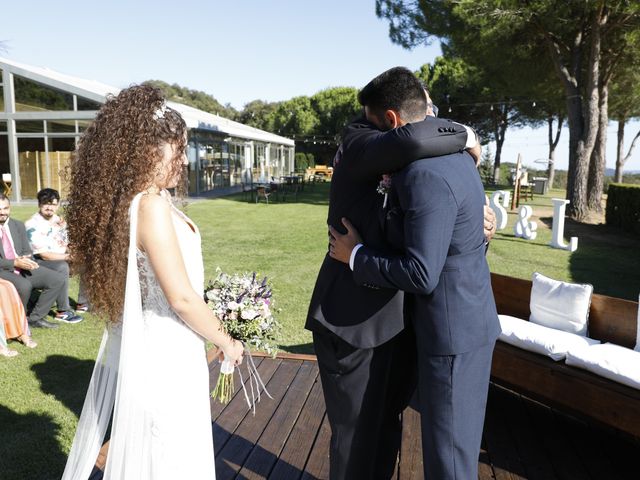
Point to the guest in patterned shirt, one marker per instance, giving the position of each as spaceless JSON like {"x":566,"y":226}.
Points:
{"x":47,"y":233}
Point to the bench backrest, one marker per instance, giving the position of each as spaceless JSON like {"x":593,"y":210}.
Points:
{"x":610,"y":319}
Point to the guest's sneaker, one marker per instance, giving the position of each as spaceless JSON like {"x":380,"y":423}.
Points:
{"x":68,"y":317}
{"x":82,"y":307}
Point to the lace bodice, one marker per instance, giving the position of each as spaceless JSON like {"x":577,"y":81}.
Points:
{"x":153,"y":298}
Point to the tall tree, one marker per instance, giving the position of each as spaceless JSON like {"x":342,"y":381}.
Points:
{"x":194,"y":98}
{"x":295,"y":117}
{"x":335,"y":107}
{"x":624,"y":105}
{"x":258,"y":114}
{"x":573,"y":33}
{"x":469,"y":94}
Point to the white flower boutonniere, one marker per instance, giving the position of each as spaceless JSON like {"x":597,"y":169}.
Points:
{"x":384,"y":187}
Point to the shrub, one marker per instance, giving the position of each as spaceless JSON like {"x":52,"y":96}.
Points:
{"x":623,"y":207}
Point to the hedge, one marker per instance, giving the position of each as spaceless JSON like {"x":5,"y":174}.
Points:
{"x":623,"y":207}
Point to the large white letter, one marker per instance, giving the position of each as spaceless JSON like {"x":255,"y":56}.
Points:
{"x":524,"y":228}
{"x":557,"y":231}
{"x":499,"y":208}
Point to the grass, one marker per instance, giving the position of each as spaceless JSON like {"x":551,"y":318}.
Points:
{"x":42,"y":390}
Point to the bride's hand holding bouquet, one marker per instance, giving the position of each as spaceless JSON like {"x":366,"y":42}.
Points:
{"x":243,"y":304}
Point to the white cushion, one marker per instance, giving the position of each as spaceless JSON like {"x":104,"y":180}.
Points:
{"x":560,"y":305}
{"x":543,"y":340}
{"x":608,"y":360}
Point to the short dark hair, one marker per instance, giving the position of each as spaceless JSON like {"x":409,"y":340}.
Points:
{"x":4,"y":197}
{"x":396,"y":89}
{"x":48,"y":195}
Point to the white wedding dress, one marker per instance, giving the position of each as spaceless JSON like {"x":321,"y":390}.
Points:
{"x":152,"y":369}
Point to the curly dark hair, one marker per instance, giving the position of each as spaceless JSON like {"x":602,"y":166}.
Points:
{"x":118,"y":156}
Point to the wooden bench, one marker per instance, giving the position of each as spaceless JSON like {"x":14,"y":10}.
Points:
{"x":556,"y":384}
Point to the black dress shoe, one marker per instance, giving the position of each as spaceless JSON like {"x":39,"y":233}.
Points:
{"x":42,"y":324}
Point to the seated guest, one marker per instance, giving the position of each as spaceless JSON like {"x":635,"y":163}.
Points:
{"x":18,"y":267}
{"x":47,"y":233}
{"x":13,"y":317}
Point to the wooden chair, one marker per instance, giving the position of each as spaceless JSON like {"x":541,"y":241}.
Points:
{"x":6,"y":184}
{"x":263,"y":192}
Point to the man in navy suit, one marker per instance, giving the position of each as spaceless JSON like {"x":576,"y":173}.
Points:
{"x":435,"y":223}
{"x":365,"y":357}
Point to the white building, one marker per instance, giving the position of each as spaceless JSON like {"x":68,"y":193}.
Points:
{"x":43,"y":113}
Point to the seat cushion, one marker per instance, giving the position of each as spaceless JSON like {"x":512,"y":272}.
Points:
{"x":608,"y":360}
{"x":540,"y":339}
{"x":560,"y":305}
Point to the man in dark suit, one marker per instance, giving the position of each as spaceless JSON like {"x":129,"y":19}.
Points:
{"x":365,"y":358}
{"x":438,"y":229}
{"x":18,"y":267}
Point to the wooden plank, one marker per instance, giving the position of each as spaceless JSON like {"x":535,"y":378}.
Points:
{"x":594,"y":459}
{"x":266,"y":451}
{"x":297,"y":449}
{"x":613,"y":320}
{"x":410,"y":465}
{"x":500,"y":445}
{"x":570,"y":388}
{"x":534,"y":459}
{"x":216,"y":406}
{"x":289,"y":356}
{"x":239,"y":445}
{"x":225,"y":426}
{"x":317,"y":467}
{"x":557,"y":447}
{"x":623,"y":453}
{"x":485,"y":472}
{"x":511,"y":295}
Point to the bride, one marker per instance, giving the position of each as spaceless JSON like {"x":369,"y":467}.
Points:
{"x":142,"y":263}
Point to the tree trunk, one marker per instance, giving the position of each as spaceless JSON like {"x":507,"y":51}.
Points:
{"x":620,"y":151}
{"x":500,"y":130}
{"x":583,"y":117}
{"x":599,"y":155}
{"x":553,"y":143}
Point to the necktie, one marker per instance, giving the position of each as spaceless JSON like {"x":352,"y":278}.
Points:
{"x":9,"y":252}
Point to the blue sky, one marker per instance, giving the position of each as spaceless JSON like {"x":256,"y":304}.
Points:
{"x":237,"y":51}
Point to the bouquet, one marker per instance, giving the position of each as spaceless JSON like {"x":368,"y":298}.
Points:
{"x":244,"y":305}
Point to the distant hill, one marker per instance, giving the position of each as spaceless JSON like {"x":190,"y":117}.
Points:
{"x":610,"y":172}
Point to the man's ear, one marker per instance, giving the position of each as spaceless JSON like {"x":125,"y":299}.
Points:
{"x":392,"y":119}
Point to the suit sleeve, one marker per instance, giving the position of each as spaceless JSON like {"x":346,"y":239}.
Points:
{"x":370,"y":152}
{"x":430,"y":215}
{"x":22,"y":246}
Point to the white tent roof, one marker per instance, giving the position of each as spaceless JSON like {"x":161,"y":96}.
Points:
{"x":98,"y":92}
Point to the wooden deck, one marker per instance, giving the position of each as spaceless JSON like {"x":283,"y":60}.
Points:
{"x":288,"y":437}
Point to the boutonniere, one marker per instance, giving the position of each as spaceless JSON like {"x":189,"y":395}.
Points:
{"x":384,"y":187}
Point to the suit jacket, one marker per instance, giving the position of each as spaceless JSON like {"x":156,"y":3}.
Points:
{"x":443,"y":263}
{"x":367,"y":316}
{"x":20,"y":243}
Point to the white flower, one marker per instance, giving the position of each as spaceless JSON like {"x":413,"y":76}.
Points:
{"x":212,"y":294}
{"x":159,"y":113}
{"x":233,"y":305}
{"x":248,"y":314}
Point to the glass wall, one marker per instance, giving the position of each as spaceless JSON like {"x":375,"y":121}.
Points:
{"x":4,"y":154}
{"x":33,"y":96}
{"x":45,"y":146}
{"x":43,"y":162}
{"x":259,"y":168}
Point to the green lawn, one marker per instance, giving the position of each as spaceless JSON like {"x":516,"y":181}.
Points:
{"x":42,"y":390}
